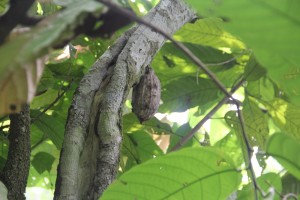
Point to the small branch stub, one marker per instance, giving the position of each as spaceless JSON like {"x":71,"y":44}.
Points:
{"x":146,"y":96}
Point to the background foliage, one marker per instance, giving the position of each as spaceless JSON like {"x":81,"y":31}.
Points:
{"x":257,"y":40}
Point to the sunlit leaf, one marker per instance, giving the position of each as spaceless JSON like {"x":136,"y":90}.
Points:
{"x":170,"y":63}
{"x":262,"y":88}
{"x":231,"y":145}
{"x":286,"y":116}
{"x":281,"y":147}
{"x":187,"y":174}
{"x":209,"y":32}
{"x":256,"y":122}
{"x":257,"y":23}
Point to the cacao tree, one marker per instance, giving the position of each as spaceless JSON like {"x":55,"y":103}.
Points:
{"x":81,"y":82}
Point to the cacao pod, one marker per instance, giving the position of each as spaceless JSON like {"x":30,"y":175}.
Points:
{"x":146,"y":96}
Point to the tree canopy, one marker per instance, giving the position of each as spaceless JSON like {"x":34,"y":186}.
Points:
{"x":228,"y":124}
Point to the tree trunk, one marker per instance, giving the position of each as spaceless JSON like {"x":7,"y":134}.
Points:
{"x":16,"y":168}
{"x":90,"y":154}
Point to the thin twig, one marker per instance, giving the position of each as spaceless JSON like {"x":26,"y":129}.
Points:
{"x":179,"y":45}
{"x":188,"y":136}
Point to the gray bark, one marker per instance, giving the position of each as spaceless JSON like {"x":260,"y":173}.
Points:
{"x":90,"y":155}
{"x":16,"y":169}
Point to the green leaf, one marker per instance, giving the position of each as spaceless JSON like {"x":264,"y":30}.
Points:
{"x":36,"y":135}
{"x":263,"y":89}
{"x":253,"y":70}
{"x":139,"y":147}
{"x":256,"y":122}
{"x":284,"y":149}
{"x":265,"y":182}
{"x":271,"y":29}
{"x":179,"y":133}
{"x":171,"y":63}
{"x":47,"y":81}
{"x":3,"y":6}
{"x":66,"y":70}
{"x":153,"y":126}
{"x":53,"y":127}
{"x":231,"y":145}
{"x":209,"y":32}
{"x":193,"y":173}
{"x":42,"y":161}
{"x":44,"y":99}
{"x":188,"y":92}
{"x":290,"y":184}
{"x":28,"y":46}
{"x":46,"y":179}
{"x":286,"y":116}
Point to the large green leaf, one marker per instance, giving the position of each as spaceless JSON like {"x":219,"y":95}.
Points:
{"x":285,"y":150}
{"x":286,"y":116}
{"x":193,"y":173}
{"x":271,"y":29}
{"x":188,"y":92}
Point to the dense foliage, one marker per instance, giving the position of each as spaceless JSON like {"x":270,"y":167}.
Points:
{"x":255,"y":43}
